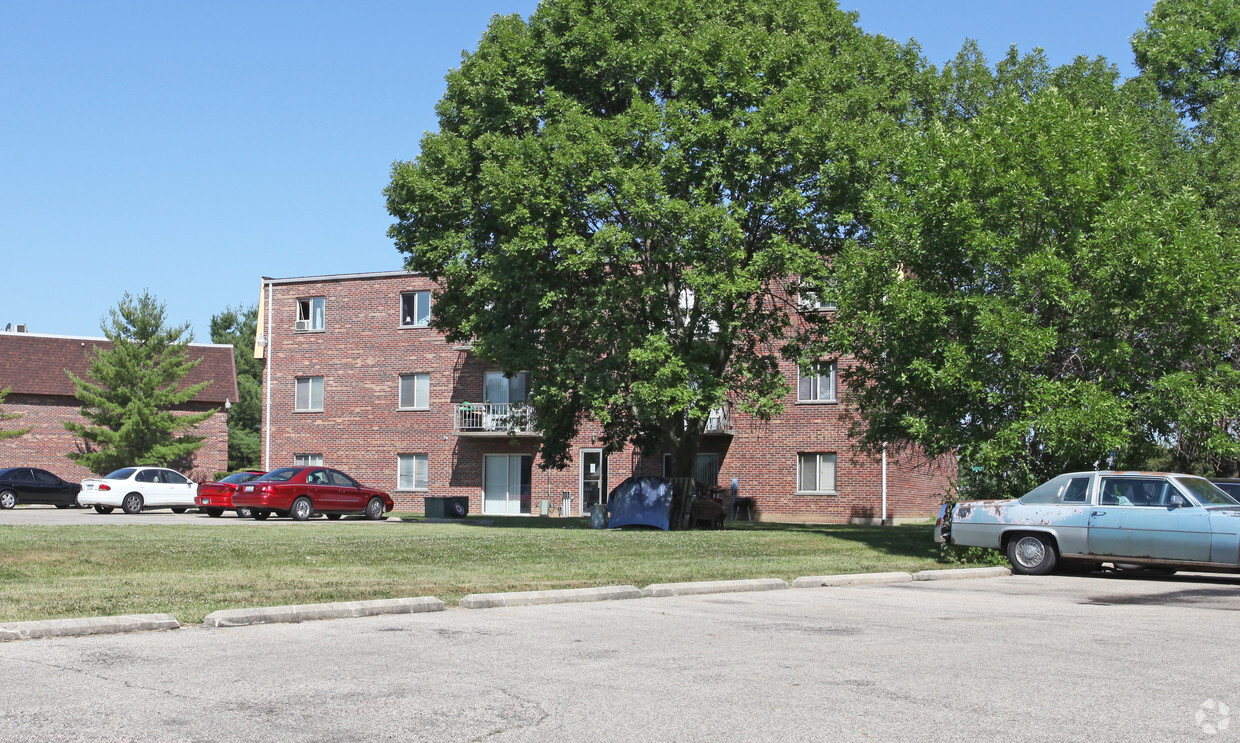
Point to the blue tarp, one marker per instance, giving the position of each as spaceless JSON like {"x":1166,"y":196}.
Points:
{"x":641,"y":501}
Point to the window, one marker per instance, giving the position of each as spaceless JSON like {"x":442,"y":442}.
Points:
{"x":816,"y":473}
{"x":705,"y":468}
{"x":412,"y":472}
{"x":415,"y":309}
{"x":819,"y":385}
{"x":415,"y":392}
{"x":501,"y":389}
{"x":310,"y":313}
{"x":309,"y":394}
{"x":1136,"y":491}
{"x":810,"y":300}
{"x":307,"y":460}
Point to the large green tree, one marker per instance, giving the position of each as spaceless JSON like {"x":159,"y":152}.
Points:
{"x":237,"y":327}
{"x":9,"y":433}
{"x":620,"y":191}
{"x":1043,"y":288}
{"x":1190,"y":52}
{"x":131,"y":393}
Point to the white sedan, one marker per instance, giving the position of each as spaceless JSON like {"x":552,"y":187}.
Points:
{"x":132,"y":489}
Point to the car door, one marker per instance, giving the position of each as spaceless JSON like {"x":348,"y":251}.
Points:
{"x":150,"y":485}
{"x":1137,"y":517}
{"x":321,"y":490}
{"x":54,"y":490}
{"x":349,"y":492}
{"x":179,"y":489}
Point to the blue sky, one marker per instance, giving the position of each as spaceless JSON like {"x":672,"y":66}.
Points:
{"x":191,"y":148}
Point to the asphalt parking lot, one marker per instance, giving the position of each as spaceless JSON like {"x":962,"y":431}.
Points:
{"x":52,"y":516}
{"x":1055,"y":658}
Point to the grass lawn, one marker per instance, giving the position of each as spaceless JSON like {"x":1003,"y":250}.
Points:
{"x":50,"y":572}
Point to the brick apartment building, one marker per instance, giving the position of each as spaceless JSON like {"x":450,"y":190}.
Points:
{"x":356,"y":379}
{"x":33,"y":366}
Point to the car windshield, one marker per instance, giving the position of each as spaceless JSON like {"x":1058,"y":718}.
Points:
{"x":121,"y":474}
{"x":284,"y":474}
{"x":238,"y":477}
{"x":1206,"y":492}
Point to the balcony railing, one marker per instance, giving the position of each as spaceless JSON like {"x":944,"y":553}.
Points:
{"x":494,"y":417}
{"x":720,"y":421}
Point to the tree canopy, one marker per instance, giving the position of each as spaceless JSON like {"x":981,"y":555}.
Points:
{"x":237,"y":327}
{"x":1043,"y":288}
{"x":1191,"y":50}
{"x":624,"y":198}
{"x":133,"y":390}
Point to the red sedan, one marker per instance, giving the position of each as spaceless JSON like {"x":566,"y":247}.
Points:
{"x":214,"y":498}
{"x":301,"y":492}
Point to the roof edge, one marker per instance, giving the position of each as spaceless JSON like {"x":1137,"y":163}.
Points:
{"x":97,"y":338}
{"x":339,"y":277}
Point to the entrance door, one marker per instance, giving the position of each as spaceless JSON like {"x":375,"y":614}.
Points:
{"x":593,"y":479}
{"x":506,"y":483}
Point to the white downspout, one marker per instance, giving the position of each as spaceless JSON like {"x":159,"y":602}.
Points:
{"x":267,"y":371}
{"x":884,"y":521}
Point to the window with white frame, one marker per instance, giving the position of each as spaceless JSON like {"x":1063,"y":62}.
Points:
{"x":310,"y":313}
{"x":498,"y":388}
{"x":415,"y":309}
{"x":412,"y":472}
{"x":818,"y":385}
{"x":309,"y":395}
{"x":816,"y":473}
{"x":415,"y":392}
{"x":811,"y":300}
{"x":307,"y":460}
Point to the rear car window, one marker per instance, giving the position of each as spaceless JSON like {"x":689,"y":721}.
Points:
{"x":121,"y":474}
{"x":239,"y":477}
{"x":283,"y":474}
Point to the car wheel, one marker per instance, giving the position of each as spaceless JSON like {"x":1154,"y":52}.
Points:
{"x":103,"y":509}
{"x":132,"y":503}
{"x":8,"y":499}
{"x":333,"y":516}
{"x":261,"y":515}
{"x":302,"y":509}
{"x":374,"y":509}
{"x":179,"y":509}
{"x":244,"y":513}
{"x":458,"y":509}
{"x":1031,"y":554}
{"x":214,"y":513}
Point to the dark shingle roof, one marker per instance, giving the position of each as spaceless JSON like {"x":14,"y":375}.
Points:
{"x":35,"y":365}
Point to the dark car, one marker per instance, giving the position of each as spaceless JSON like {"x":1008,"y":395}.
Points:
{"x":301,"y":492}
{"x":1229,"y":485}
{"x":214,"y":498}
{"x":33,"y":485}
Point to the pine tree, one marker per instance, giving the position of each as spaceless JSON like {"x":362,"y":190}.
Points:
{"x":134,"y":389}
{"x":237,"y":326}
{"x":9,"y":433}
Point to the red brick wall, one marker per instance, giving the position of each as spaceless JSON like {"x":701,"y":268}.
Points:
{"x":362,"y":350}
{"x":47,"y":443}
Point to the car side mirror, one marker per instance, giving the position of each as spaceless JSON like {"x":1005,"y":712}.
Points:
{"x":1177,"y":501}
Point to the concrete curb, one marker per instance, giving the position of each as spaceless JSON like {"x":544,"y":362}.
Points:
{"x":851,"y":579}
{"x":86,"y":626}
{"x":961,"y":573}
{"x":713,"y":586}
{"x":563,"y":596}
{"x":311,"y":612}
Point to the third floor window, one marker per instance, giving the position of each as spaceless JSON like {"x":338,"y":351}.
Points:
{"x":310,"y":313}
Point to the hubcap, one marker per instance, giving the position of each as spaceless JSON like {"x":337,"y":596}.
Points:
{"x":303,"y":509}
{"x":8,"y":500}
{"x":1030,"y":552}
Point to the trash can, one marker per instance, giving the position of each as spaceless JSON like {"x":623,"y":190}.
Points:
{"x":455,"y":507}
{"x":598,"y":516}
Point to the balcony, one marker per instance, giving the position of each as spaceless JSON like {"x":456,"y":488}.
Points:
{"x":720,"y":422}
{"x":493,"y":419}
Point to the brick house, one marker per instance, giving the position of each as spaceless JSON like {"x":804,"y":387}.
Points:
{"x":356,"y":379}
{"x":33,"y":366}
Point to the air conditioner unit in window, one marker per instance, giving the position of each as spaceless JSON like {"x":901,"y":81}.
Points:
{"x":303,"y":325}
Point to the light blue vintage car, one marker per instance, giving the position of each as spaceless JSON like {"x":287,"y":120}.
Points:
{"x":1083,"y":519}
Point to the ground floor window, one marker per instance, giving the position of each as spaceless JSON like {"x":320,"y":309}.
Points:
{"x":507,"y":483}
{"x":705,"y":468}
{"x":816,"y":473}
{"x":307,"y":460}
{"x":412,"y":472}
